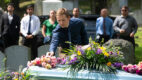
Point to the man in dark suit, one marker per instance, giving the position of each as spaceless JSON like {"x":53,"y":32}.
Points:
{"x":10,"y":26}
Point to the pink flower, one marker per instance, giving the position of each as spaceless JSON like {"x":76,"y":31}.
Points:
{"x":53,"y":65}
{"x":125,"y":68}
{"x":53,"y":60}
{"x":139,"y":72}
{"x":59,"y":60}
{"x":38,"y":62}
{"x":43,"y":64}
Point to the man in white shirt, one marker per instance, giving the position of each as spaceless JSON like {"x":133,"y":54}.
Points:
{"x":30,"y":27}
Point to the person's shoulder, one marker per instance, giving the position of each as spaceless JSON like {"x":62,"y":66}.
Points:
{"x":35,"y":17}
{"x":75,"y":20}
{"x":118,"y":17}
{"x":57,"y":29}
{"x":109,"y":19}
{"x":131,"y":17}
{"x":25,"y":18}
{"x":99,"y":18}
{"x":15,"y":15}
{"x":47,"y":20}
{"x":4,"y":14}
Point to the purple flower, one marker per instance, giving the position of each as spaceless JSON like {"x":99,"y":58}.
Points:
{"x":111,"y":53}
{"x":118,"y":64}
{"x":93,"y":49}
{"x":99,"y":51}
{"x":82,"y":51}
{"x":63,"y":61}
{"x":73,"y":60}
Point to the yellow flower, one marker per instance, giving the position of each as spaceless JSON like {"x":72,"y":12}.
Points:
{"x":102,"y":48}
{"x":106,"y":54}
{"x":109,"y":64}
{"x":140,"y":63}
{"x":89,"y":48}
{"x":94,"y":42}
{"x":117,"y":52}
{"x":16,"y":79}
{"x":79,"y":53}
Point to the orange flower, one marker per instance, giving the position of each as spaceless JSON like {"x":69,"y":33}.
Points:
{"x":109,"y":64}
{"x":22,"y":73}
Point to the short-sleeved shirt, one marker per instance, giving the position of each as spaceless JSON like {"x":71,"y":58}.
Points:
{"x":49,"y":27}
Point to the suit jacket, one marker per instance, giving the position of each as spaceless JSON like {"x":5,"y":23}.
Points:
{"x":75,"y":33}
{"x":7,"y":29}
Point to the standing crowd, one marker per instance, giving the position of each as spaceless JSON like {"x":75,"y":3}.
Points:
{"x":61,"y":28}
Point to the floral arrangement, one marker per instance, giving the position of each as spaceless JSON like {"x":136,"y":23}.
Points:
{"x":45,"y":61}
{"x":133,"y":68}
{"x":20,"y":76}
{"x":93,"y":57}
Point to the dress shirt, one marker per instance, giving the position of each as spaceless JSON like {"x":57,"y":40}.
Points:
{"x":108,"y":26}
{"x":127,"y":23}
{"x":75,"y":33}
{"x":10,"y":18}
{"x":35,"y":25}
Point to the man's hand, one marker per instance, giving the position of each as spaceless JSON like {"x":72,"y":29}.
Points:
{"x":132,"y":35}
{"x":122,"y":31}
{"x":29,"y":36}
{"x":49,"y":53}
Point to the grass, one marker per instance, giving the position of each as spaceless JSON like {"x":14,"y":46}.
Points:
{"x":138,"y":40}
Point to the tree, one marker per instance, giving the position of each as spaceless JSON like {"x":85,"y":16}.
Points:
{"x":97,"y":5}
{"x":16,"y":3}
{"x":3,"y":3}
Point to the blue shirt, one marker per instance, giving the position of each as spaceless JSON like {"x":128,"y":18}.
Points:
{"x":75,"y":33}
{"x":108,"y":26}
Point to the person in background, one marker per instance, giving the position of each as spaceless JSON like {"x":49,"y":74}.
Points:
{"x":1,"y":12}
{"x":48,"y":26}
{"x":10,"y":26}
{"x":125,"y":26}
{"x":104,"y":27}
{"x":30,"y":27}
{"x":76,"y":14}
{"x":68,"y":30}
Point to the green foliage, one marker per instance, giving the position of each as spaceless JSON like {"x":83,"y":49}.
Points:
{"x":22,"y":75}
{"x":3,"y":72}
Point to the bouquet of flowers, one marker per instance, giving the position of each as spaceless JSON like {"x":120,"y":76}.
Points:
{"x":45,"y":61}
{"x":133,"y":68}
{"x":93,"y":57}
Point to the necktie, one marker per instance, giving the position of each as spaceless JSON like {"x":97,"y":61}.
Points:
{"x":69,"y":34}
{"x":29,"y":26}
{"x":104,"y":27}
